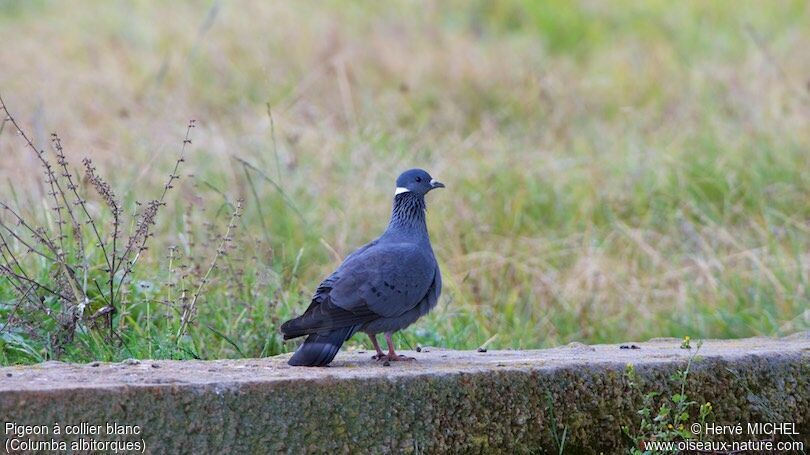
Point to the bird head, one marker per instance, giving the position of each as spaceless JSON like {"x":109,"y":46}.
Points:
{"x":416,"y":181}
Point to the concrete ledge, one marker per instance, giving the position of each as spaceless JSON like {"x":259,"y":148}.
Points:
{"x":498,"y":401}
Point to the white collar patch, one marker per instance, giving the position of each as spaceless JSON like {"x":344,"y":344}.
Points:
{"x":400,"y":190}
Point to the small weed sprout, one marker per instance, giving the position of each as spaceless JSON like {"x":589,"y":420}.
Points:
{"x":559,"y":439}
{"x":667,"y":421}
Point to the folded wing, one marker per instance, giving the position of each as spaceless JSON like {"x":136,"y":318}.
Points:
{"x":377,"y":281}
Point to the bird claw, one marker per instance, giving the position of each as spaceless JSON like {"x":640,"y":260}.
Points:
{"x":392,"y":358}
{"x":403,"y":358}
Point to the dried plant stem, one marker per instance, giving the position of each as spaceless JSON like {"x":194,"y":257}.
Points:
{"x":64,"y":250}
{"x":188,"y":310}
{"x":51,"y":177}
{"x":56,"y":191}
{"x":23,"y":277}
{"x":148,"y":217}
{"x":60,"y":260}
{"x":78,"y":235}
{"x":62,"y":162}
{"x":21,"y":240}
{"x":10,"y":259}
{"x":169,"y":184}
{"x":105,"y":191}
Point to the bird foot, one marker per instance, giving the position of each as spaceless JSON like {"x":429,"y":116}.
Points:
{"x":393,"y":358}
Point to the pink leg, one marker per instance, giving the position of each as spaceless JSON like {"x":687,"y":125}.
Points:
{"x":379,"y":354}
{"x":393,"y":356}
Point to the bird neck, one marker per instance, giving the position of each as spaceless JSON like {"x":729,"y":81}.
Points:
{"x":408,"y":214}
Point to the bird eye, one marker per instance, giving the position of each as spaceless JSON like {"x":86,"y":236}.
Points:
{"x":418,"y":179}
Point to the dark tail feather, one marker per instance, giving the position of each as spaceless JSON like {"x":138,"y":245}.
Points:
{"x":318,"y":350}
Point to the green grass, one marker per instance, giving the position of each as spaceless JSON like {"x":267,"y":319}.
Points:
{"x":616,"y":170}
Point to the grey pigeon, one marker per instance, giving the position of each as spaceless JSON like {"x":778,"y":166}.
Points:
{"x":383,"y":287}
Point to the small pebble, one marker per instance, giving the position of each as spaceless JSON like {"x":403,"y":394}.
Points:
{"x":8,"y":375}
{"x":386,"y":364}
{"x":419,"y":349}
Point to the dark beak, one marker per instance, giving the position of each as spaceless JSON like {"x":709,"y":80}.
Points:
{"x":436,"y":184}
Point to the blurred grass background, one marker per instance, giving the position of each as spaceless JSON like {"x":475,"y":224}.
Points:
{"x":616,"y":170}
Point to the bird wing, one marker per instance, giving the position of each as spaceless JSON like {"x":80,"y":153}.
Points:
{"x":388,"y":280}
{"x":327,"y":284}
{"x":435,"y":289}
{"x":374,"y":281}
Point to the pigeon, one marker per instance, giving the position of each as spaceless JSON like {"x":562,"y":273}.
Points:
{"x":383,"y":287}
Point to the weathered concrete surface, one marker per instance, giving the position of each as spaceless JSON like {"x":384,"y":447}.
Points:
{"x":445,"y":401}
